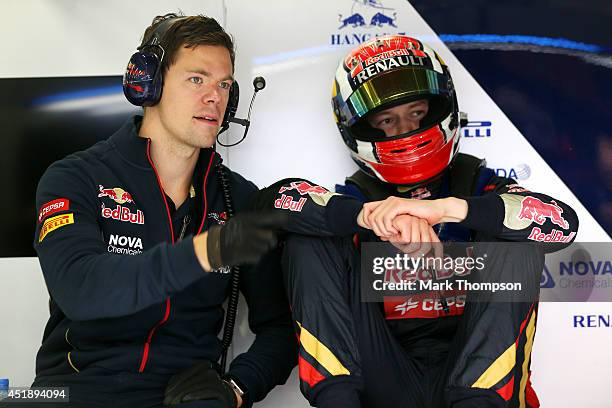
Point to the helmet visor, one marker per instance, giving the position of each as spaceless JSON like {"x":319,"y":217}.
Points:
{"x":393,"y":87}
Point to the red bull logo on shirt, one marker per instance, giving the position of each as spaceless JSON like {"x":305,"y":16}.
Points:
{"x":119,"y":195}
{"x":538,"y":211}
{"x":121,"y":213}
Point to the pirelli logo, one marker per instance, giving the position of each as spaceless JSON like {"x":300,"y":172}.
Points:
{"x":54,"y":223}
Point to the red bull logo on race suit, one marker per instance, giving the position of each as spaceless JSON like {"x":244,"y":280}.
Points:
{"x":538,"y":211}
{"x":304,"y":188}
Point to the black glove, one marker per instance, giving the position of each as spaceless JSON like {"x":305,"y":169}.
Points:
{"x":244,"y":239}
{"x":200,"y":382}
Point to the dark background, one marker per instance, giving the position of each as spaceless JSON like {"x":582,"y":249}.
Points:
{"x":43,"y":120}
{"x":560,"y":99}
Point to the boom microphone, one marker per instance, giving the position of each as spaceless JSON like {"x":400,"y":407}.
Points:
{"x":259,"y":83}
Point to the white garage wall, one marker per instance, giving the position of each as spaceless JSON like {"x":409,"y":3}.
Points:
{"x":80,"y":38}
{"x":290,"y":43}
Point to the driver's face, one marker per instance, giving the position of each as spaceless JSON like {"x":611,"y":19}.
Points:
{"x":400,"y":119}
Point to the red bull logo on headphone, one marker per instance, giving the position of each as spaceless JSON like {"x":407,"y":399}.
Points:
{"x":133,"y":70}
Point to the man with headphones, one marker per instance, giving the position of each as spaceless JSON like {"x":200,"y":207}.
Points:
{"x":136,"y":240}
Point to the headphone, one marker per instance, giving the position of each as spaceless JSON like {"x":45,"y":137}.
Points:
{"x":143,"y":79}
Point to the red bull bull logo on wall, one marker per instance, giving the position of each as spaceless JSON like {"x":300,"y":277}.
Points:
{"x":119,"y":195}
{"x":363,"y":21}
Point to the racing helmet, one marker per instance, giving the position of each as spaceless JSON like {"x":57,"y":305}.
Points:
{"x":388,"y":71}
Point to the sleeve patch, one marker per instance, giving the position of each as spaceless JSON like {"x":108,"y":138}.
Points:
{"x":522,"y":211}
{"x":323,"y":199}
{"x":319,"y":195}
{"x":513,"y":210}
{"x":52,"y":207}
{"x":54,"y":223}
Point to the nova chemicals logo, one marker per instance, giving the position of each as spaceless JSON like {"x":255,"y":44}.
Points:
{"x":126,"y":245}
{"x":363,"y":20}
{"x":583,"y":268}
{"x":477,"y":129}
{"x":546,"y":280}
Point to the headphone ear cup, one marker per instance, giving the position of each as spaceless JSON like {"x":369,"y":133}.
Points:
{"x":142,"y":84}
{"x":232,"y":104}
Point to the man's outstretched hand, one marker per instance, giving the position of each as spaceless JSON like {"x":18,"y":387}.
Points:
{"x":244,"y":239}
{"x":200,"y":382}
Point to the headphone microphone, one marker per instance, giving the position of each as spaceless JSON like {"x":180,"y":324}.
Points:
{"x":259,"y":83}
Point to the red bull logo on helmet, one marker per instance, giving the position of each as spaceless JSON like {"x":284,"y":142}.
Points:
{"x":382,"y":54}
{"x":119,"y":195}
{"x":379,"y":49}
{"x":538,"y":211}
